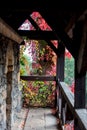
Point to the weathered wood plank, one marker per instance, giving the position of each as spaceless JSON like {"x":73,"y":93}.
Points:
{"x":81,"y":114}
{"x":69,"y":96}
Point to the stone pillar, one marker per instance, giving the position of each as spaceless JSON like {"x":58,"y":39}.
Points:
{"x":16,"y":91}
{"x":9,"y":68}
{"x":9,"y":100}
{"x":2,"y":103}
{"x":3,"y":83}
{"x":10,"y":93}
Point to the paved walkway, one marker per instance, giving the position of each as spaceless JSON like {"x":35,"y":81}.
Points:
{"x":36,"y":119}
{"x":41,"y":119}
{"x":21,"y":119}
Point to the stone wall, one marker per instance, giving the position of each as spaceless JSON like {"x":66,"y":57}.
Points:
{"x":10,"y":94}
{"x":16,"y":92}
{"x":3,"y":82}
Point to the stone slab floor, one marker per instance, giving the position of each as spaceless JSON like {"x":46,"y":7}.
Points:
{"x":21,"y":119}
{"x":41,"y":119}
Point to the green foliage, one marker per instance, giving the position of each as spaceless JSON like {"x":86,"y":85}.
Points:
{"x":39,"y":93}
{"x":25,"y":64}
{"x":69,"y":70}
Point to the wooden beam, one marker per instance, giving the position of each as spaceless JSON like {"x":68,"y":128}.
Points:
{"x":80,"y":37}
{"x":38,"y":78}
{"x":38,"y":28}
{"x":80,"y":88}
{"x":52,"y":46}
{"x":38,"y":34}
{"x":74,"y":18}
{"x":79,"y":115}
{"x":8,"y":32}
{"x":82,"y":54}
{"x":61,"y":34}
{"x":81,"y":121}
{"x":61,"y":56}
{"x":71,"y":23}
{"x":66,"y":40}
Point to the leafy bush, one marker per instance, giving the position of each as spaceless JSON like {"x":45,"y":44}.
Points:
{"x":38,"y":93}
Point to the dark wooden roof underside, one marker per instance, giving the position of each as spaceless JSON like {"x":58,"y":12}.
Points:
{"x":60,"y":16}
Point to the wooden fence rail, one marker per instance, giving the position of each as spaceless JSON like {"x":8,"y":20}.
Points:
{"x":38,"y":78}
{"x":66,"y":109}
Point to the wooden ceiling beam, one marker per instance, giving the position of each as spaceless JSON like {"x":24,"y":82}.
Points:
{"x":38,"y":28}
{"x":61,"y":34}
{"x":38,"y":34}
{"x":8,"y":32}
{"x":82,"y":53}
{"x":67,"y":41}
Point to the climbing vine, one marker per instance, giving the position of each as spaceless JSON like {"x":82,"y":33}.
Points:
{"x":43,"y":62}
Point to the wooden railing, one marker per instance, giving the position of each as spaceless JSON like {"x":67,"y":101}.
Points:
{"x":65,"y":104}
{"x":66,"y":110}
{"x":38,"y":78}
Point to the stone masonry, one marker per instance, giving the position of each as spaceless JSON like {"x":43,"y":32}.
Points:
{"x":10,"y":93}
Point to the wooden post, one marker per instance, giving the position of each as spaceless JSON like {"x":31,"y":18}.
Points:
{"x":60,"y":62}
{"x":80,"y":38}
{"x":59,"y":74}
{"x":79,"y":88}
